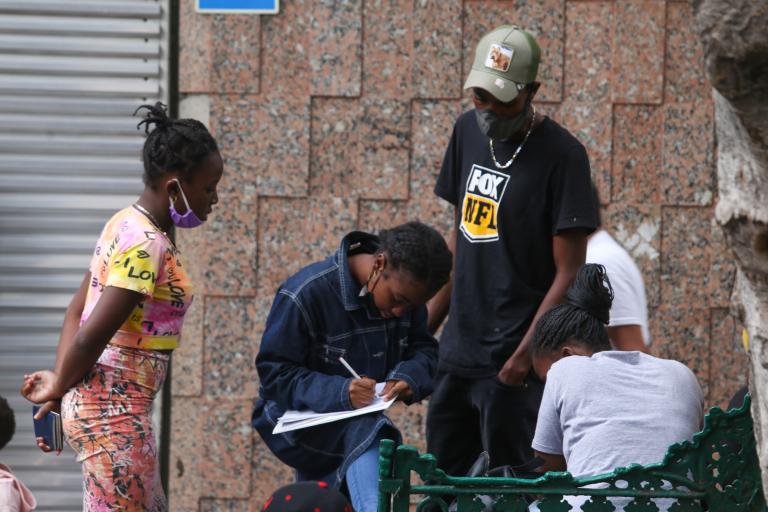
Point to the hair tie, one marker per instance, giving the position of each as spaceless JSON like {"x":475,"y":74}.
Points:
{"x":156,"y":114}
{"x":603,"y":316}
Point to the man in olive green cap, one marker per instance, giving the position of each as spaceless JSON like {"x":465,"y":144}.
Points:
{"x":521,"y":187}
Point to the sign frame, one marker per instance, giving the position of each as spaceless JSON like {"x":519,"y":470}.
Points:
{"x":208,"y":10}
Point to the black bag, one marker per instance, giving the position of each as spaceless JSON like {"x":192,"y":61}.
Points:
{"x":480,"y":468}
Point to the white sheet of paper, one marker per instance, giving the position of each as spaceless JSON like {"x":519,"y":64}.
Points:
{"x":294,"y":420}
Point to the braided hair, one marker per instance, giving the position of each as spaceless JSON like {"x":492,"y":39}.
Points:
{"x":419,"y":250}
{"x":582,"y":318}
{"x":179,"y":145}
{"x":7,"y":422}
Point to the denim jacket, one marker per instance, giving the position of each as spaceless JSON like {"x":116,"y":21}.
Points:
{"x":316,"y":317}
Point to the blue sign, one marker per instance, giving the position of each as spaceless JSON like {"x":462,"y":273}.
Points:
{"x":239,"y":6}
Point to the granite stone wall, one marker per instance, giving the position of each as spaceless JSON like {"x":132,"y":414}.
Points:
{"x":334,"y":115}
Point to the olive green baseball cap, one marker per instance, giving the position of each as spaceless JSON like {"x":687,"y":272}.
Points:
{"x":506,"y":60}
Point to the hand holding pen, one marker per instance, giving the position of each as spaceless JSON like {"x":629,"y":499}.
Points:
{"x":362,"y":390}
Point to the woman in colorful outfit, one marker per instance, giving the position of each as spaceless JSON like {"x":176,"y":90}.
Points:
{"x":364,"y":303}
{"x":125,"y":319}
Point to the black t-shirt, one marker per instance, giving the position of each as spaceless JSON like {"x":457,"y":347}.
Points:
{"x":506,"y":221}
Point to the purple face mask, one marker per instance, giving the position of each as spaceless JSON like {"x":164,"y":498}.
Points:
{"x":189,"y":219}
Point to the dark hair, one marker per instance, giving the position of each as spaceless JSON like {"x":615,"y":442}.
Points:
{"x":582,"y":318}
{"x":173,"y":144}
{"x":419,"y":250}
{"x":7,"y":422}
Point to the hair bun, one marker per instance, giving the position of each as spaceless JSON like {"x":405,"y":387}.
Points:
{"x":592,"y":292}
{"x":156,"y":114}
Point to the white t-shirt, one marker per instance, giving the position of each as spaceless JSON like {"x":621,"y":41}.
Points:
{"x":629,"y":303}
{"x":616,"y":408}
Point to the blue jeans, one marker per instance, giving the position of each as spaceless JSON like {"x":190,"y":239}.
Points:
{"x":363,"y":480}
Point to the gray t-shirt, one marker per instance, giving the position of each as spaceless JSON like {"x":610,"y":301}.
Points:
{"x":616,"y":408}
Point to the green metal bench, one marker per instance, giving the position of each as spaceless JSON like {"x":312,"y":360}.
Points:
{"x":718,"y":471}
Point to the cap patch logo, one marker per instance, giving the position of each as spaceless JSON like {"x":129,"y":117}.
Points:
{"x":499,"y":58}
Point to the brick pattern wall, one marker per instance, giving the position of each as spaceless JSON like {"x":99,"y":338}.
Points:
{"x":334,"y":116}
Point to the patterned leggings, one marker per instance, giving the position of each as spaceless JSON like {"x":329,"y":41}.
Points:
{"x":107,"y":420}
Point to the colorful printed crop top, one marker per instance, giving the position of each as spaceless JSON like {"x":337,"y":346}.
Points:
{"x":133,"y":254}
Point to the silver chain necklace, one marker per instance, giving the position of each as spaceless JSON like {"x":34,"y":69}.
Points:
{"x":148,"y":215}
{"x":530,"y":129}
{"x":154,"y":222}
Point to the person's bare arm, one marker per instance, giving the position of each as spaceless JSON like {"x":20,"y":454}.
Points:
{"x":552,"y":462}
{"x":627,"y":337}
{"x":569,"y":249}
{"x":80,"y":348}
{"x":437,"y":307}
{"x":112,"y":309}
{"x":72,"y":317}
{"x":68,"y":330}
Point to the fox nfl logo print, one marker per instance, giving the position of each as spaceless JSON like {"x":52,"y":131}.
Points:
{"x":479,"y":211}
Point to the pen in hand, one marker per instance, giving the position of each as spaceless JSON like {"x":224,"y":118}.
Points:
{"x":351,"y":370}
{"x":361,"y":389}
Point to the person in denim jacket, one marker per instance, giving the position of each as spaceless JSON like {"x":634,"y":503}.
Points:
{"x":365,"y":303}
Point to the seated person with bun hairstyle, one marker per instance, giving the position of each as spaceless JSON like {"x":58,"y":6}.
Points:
{"x":603,"y":408}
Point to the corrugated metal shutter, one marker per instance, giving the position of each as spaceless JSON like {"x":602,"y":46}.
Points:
{"x":71,"y":74}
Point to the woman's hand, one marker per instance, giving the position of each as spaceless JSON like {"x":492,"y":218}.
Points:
{"x":51,"y":405}
{"x":396,"y":388}
{"x":44,"y":447}
{"x":362,"y":392}
{"x":40,"y":387}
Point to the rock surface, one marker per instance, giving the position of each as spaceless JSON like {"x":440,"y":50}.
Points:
{"x":736,"y":52}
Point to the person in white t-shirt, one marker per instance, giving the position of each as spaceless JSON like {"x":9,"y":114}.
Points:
{"x":604,"y":408}
{"x":628,"y":327}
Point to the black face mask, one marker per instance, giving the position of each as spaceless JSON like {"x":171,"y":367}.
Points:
{"x":501,"y":128}
{"x":366,"y":295}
